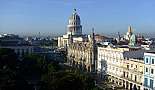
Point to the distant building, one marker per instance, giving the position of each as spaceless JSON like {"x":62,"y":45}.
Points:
{"x":19,"y":45}
{"x":101,"y":38}
{"x":12,"y":40}
{"x":148,"y":44}
{"x":126,"y":39}
{"x":21,"y":50}
{"x":133,"y":40}
{"x":129,"y":33}
{"x":149,"y":71}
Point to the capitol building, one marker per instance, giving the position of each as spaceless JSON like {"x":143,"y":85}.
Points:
{"x":74,"y":29}
{"x":81,"y":49}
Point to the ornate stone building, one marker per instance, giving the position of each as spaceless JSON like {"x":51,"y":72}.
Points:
{"x":83,"y":54}
{"x":81,"y":49}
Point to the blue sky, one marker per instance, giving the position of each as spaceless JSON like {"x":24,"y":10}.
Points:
{"x":51,"y":16}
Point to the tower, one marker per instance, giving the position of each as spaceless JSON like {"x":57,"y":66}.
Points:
{"x":130,"y":29}
{"x":70,"y":38}
{"x":93,"y":51}
{"x":93,"y":36}
{"x":74,"y":26}
{"x":129,"y":33}
{"x":132,"y":40}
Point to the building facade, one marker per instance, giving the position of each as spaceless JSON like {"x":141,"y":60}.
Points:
{"x":21,"y":50}
{"x":149,"y":71}
{"x":118,"y":65}
{"x":82,"y":55}
{"x":133,"y":74}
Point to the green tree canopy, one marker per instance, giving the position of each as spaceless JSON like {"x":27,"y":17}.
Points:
{"x":63,"y":80}
{"x":7,"y":58}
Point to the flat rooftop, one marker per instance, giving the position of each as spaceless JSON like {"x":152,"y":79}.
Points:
{"x":150,"y":52}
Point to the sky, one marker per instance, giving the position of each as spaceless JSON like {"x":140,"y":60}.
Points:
{"x":51,"y":16}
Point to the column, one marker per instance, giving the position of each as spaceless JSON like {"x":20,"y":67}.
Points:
{"x":124,"y":85}
{"x":139,"y":88}
{"x":131,"y":86}
{"x":121,"y":83}
{"x":128,"y":86}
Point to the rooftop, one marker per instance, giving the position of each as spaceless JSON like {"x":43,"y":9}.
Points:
{"x":153,"y":52}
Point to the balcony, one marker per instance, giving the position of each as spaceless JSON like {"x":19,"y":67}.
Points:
{"x":132,"y":70}
{"x":130,"y":80}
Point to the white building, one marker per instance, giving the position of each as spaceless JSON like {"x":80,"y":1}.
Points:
{"x":115,"y":63}
{"x":74,"y":29}
{"x":129,"y":33}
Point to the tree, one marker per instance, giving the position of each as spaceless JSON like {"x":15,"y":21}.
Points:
{"x":9,"y":78}
{"x":33,"y":65}
{"x":68,"y":80}
{"x":7,"y":58}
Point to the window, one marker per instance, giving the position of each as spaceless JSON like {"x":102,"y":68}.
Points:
{"x":136,"y":66}
{"x":146,"y":70}
{"x":152,"y":71}
{"x":146,"y":60}
{"x":116,"y":69}
{"x":152,"y":61}
{"x":127,"y":66}
{"x":135,"y":78}
{"x":124,"y":74}
{"x":151,"y":83}
{"x":131,"y":65}
{"x":145,"y":82}
{"x":113,"y":61}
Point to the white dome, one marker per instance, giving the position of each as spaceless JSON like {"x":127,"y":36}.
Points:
{"x":74,"y":25}
{"x":74,"y":19}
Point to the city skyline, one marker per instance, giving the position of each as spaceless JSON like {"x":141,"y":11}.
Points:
{"x":51,"y":16}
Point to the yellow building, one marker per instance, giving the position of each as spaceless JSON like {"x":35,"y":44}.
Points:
{"x":133,"y":74}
